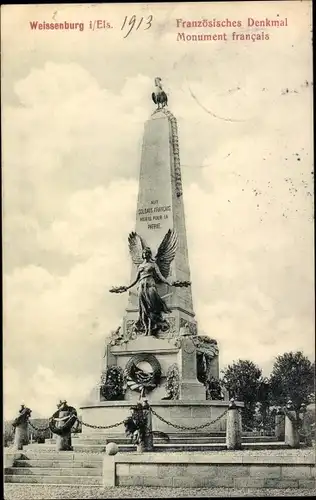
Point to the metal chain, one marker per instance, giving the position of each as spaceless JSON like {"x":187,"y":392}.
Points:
{"x":101,"y":426}
{"x":182,"y":427}
{"x":40,"y":429}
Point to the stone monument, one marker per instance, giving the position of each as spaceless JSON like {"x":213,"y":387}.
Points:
{"x":159,"y":329}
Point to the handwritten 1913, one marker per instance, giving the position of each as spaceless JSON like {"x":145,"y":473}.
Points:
{"x":146,"y":23}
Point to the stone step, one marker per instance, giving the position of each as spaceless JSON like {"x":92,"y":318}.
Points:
{"x":89,"y":464}
{"x":181,"y":447}
{"x":124,"y":442}
{"x":203,"y":440}
{"x":107,"y":433}
{"x":217,"y":447}
{"x":52,"y":454}
{"x":40,"y":479}
{"x":84,"y":448}
{"x":95,"y":448}
{"x":61,"y":471}
{"x":121,"y":435}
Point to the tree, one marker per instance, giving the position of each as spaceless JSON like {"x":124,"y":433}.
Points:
{"x":264,"y":401}
{"x":292,"y":378}
{"x":242,"y":380}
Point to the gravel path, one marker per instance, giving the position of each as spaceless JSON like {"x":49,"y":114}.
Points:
{"x":39,"y":492}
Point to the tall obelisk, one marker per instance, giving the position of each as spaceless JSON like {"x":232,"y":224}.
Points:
{"x":160,"y":208}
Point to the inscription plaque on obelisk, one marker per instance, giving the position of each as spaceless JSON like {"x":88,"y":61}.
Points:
{"x":159,"y":209}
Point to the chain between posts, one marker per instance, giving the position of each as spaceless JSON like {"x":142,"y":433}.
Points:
{"x":39,"y":429}
{"x":117,"y":424}
{"x":101,"y":426}
{"x":43,"y":429}
{"x":183,"y":427}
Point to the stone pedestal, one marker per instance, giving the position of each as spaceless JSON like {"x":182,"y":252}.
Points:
{"x":307,"y":430}
{"x":63,"y":443}
{"x":279,"y":425}
{"x":21,"y":435}
{"x":190,"y":387}
{"x":233,"y":428}
{"x":167,"y":352}
{"x":149,"y":444}
{"x":292,"y":437}
{"x":146,"y":442}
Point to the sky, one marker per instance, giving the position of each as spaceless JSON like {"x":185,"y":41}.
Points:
{"x":74,"y":106}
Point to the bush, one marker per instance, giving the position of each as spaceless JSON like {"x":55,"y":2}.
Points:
{"x":113,"y":384}
{"x":173,"y":382}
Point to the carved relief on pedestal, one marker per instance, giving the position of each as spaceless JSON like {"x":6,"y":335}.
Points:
{"x":168,"y":327}
{"x":190,"y":327}
{"x":119,"y":336}
{"x":139,"y":380}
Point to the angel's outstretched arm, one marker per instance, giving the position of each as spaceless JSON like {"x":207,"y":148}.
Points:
{"x":134,"y":282}
{"x":161,"y":277}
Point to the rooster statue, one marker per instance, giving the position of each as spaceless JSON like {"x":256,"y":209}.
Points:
{"x":159,"y":96}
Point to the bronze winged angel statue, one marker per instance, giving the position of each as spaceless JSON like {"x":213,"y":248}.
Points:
{"x":150,"y":272}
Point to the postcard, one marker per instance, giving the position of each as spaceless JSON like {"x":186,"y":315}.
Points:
{"x":158,"y":257}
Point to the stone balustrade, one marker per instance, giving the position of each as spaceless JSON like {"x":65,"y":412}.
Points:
{"x":220,"y":469}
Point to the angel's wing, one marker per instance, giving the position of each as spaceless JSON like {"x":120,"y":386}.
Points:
{"x":166,"y":252}
{"x":136,"y":245}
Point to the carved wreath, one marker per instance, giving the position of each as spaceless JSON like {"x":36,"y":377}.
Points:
{"x":66,"y":422}
{"x":137,"y":379}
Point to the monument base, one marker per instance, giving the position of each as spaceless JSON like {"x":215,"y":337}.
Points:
{"x":169,"y":364}
{"x":183,"y":413}
{"x":182,"y":351}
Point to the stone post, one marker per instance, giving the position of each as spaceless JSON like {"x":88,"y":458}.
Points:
{"x":20,"y":425}
{"x":148,"y":435}
{"x":21,"y":435}
{"x":190,"y":388}
{"x":279,"y":425}
{"x":63,"y":443}
{"x":292,"y":437}
{"x":306,"y":426}
{"x":233,"y":427}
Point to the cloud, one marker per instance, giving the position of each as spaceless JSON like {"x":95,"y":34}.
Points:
{"x":48,"y":387}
